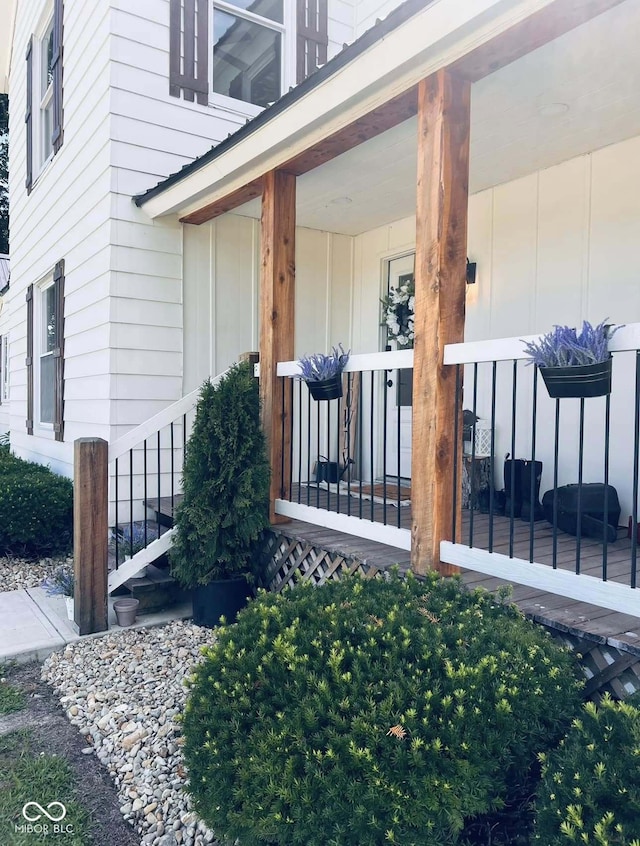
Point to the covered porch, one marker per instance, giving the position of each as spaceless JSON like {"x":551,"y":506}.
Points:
{"x":292,"y":247}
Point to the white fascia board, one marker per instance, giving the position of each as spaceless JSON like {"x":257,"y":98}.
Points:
{"x":7,"y":24}
{"x":433,"y":38}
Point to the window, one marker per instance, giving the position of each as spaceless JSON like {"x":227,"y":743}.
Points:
{"x":45,"y":95}
{"x":243,"y":55}
{"x":45,"y":353}
{"x":248,"y":56}
{"x":4,"y":368}
{"x":43,"y":116}
{"x":46,"y":346}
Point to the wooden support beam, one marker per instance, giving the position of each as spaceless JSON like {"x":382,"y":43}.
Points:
{"x":90,"y":534}
{"x":538,"y":29}
{"x":277,"y":302}
{"x":441,"y":248}
{"x":225,"y":204}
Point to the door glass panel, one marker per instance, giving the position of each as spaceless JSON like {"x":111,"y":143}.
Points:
{"x":246,"y":60}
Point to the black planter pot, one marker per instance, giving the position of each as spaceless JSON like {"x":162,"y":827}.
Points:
{"x":327,"y":389}
{"x":586,"y":380}
{"x":221,"y":598}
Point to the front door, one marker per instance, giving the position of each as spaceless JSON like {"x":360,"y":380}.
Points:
{"x":399,"y":388}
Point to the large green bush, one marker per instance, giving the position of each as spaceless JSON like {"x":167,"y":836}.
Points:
{"x":221,"y":520}
{"x":36,"y":509}
{"x":590,"y":789}
{"x":369,"y":712}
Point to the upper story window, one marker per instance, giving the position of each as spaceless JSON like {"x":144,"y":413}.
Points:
{"x":244,"y":54}
{"x":249,"y":60}
{"x":43,"y":117}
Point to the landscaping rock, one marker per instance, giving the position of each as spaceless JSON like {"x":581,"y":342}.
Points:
{"x":19,"y":573}
{"x":125,"y":692}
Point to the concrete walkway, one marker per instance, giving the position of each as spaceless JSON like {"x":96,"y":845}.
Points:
{"x":32,"y":624}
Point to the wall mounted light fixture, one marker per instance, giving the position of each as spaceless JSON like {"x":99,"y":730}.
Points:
{"x":471,"y":272}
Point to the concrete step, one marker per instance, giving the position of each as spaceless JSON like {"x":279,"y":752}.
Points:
{"x":156,"y":591}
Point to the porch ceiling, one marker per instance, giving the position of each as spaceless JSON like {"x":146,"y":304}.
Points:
{"x":517,"y":127}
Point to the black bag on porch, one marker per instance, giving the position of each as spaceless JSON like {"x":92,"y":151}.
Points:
{"x":591,"y":509}
{"x":328,"y":471}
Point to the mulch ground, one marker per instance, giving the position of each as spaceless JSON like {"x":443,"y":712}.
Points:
{"x":54,"y":735}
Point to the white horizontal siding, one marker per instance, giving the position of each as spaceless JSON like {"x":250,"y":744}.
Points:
{"x":367,"y":12}
{"x":66,"y":216}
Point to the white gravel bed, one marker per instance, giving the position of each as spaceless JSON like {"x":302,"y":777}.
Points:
{"x":124,"y":692}
{"x":17,"y":573}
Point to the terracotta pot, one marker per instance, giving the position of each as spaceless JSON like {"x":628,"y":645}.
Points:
{"x":126,"y":611}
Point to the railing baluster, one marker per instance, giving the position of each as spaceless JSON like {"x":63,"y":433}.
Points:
{"x":532,"y":498}
{"x":282,"y":437}
{"x":116,"y":518}
{"x":308,"y":445}
{"x":605,"y":529}
{"x":131,"y":503}
{"x":338,"y":456}
{"x":514,"y":401}
{"x":493,"y":450}
{"x":473,"y":449}
{"x":360,"y":442}
{"x":144,"y":459}
{"x":636,"y":470}
{"x":456,"y":458}
{"x":371,"y":444}
{"x":555,"y":486}
{"x":159,"y":503}
{"x":318,"y":454}
{"x":299,"y":438}
{"x":348,"y":413}
{"x":580,"y":474}
{"x":289,"y":423}
{"x":385,"y":392}
{"x":328,"y":456}
{"x":172,"y":473}
{"x":398,"y":422}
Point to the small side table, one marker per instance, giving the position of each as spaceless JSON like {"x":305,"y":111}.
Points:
{"x":476,"y":477}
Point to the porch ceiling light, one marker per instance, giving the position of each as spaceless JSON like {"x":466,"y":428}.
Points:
{"x":341,"y":201}
{"x":553,"y":109}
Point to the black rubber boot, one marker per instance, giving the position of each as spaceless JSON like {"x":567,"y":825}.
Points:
{"x":513,"y":486}
{"x":528,"y":470}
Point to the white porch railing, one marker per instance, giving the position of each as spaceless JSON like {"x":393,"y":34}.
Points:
{"x":577,"y":441}
{"x":345,"y":464}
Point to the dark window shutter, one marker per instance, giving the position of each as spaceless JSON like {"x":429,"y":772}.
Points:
{"x":29,"y":360}
{"x":57,"y":134}
{"x":58,"y":353}
{"x":312,"y":37}
{"x":189,"y":50}
{"x":28,"y":118}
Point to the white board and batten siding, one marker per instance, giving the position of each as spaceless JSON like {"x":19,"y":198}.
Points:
{"x":221,"y":285}
{"x":65,"y":216}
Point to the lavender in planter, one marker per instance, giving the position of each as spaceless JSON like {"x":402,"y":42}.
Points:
{"x":574,"y":364}
{"x":60,"y":582}
{"x":323,"y":373}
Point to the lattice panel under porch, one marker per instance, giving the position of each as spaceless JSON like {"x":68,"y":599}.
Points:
{"x":606,"y":669}
{"x":292,"y":560}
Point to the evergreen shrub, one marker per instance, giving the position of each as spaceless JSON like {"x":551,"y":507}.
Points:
{"x":590,"y":788}
{"x":221,"y":520}
{"x":36,"y":508}
{"x":364,"y":713}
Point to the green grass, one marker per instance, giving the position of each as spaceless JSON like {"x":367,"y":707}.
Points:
{"x":11,"y":699}
{"x":27,"y":775}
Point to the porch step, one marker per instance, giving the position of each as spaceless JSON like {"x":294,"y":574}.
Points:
{"x":164,"y":508}
{"x":155,"y":592}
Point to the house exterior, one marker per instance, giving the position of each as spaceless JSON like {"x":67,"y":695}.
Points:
{"x":189,"y":206}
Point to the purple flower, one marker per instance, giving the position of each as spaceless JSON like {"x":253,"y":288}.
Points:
{"x":564,"y":347}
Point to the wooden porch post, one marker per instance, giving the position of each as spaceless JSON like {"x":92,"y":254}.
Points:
{"x":441,"y":249}
{"x":277,"y":302}
{"x":90,"y":519}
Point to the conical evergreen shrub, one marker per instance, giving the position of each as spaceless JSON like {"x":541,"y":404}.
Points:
{"x":221,"y":520}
